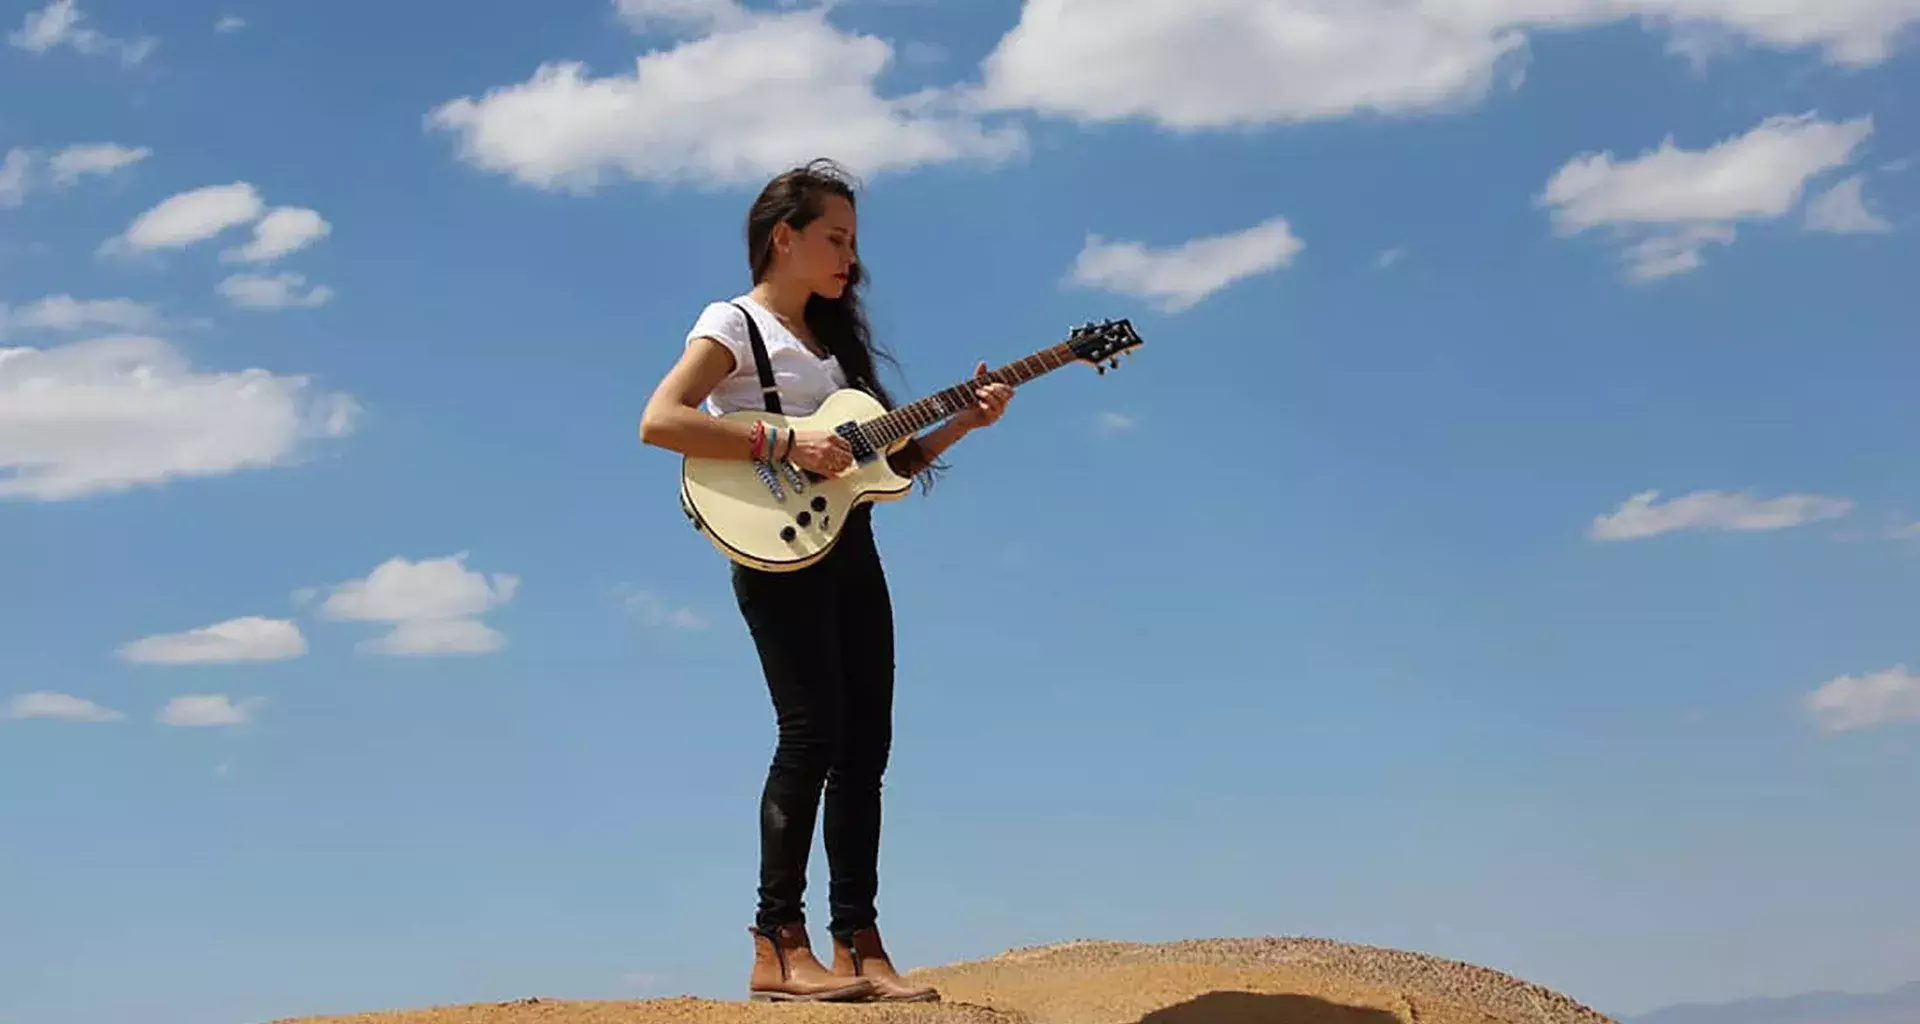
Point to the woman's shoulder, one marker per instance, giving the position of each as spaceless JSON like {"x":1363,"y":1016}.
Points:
{"x":731,"y":307}
{"x":724,"y":315}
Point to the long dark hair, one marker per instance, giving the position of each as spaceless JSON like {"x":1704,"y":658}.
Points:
{"x":795,"y":198}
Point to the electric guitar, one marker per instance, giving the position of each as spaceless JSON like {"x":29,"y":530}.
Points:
{"x":775,"y":516}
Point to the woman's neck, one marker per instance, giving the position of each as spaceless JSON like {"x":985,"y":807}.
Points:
{"x":788,"y":303}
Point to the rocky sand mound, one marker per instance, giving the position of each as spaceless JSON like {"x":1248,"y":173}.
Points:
{"x":1197,"y":981}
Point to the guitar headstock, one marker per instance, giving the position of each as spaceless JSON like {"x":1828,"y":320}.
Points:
{"x":1101,"y":345}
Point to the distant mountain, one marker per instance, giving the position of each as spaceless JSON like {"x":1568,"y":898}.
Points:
{"x":1900,"y":1006}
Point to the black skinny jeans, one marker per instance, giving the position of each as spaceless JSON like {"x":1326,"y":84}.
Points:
{"x":825,"y":640}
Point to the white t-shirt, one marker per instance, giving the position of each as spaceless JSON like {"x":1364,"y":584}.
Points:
{"x":804,"y":379}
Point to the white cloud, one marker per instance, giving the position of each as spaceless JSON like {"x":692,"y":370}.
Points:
{"x":108,"y":414}
{"x":1842,"y":210}
{"x":653,"y":611}
{"x":230,"y":23}
{"x":1643,"y":516}
{"x":1677,"y":200}
{"x":1860,"y":702}
{"x":65,"y":313}
{"x":1390,"y":257}
{"x":66,"y":707}
{"x":1758,"y":175}
{"x":59,"y":24}
{"x":48,"y":27}
{"x":699,"y":14}
{"x":436,"y":638}
{"x":1115,"y":422}
{"x":1679,"y":252}
{"x":283,"y":231}
{"x":1180,"y":276}
{"x":21,"y":170}
{"x":1700,"y":43}
{"x":251,"y":639}
{"x":16,"y":172}
{"x":1850,"y":33}
{"x":434,"y":605}
{"x":399,"y":590}
{"x":207,"y":710}
{"x":1209,"y":64}
{"x":189,"y":217}
{"x":766,"y":91}
{"x":76,"y":162}
{"x":276,"y":291}
{"x":1223,"y":63}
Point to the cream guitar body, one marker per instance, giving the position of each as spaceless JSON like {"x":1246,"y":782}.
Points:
{"x":794,"y":523}
{"x":777,"y":517}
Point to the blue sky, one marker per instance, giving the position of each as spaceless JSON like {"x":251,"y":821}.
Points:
{"x":1499,"y":548}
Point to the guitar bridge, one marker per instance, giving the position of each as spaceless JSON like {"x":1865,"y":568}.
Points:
{"x":793,"y":476}
{"x":773,"y":482}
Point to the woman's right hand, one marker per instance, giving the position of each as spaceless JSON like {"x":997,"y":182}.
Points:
{"x":820,"y":451}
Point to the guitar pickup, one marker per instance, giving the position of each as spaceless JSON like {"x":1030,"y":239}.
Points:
{"x":863,"y":452}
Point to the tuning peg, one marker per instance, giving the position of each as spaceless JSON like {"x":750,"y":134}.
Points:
{"x":1115,"y":364}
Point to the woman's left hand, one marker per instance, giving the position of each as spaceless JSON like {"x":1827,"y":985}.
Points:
{"x":991,"y":405}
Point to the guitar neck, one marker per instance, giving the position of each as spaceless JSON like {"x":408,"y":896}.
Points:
{"x":917,"y":416}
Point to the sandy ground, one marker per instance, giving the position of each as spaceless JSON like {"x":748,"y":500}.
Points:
{"x":1198,"y":981}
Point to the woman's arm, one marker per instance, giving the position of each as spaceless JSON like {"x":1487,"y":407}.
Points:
{"x":673,"y":419}
{"x":925,"y":450}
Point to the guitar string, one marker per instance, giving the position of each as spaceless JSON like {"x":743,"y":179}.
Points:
{"x":886,"y":428}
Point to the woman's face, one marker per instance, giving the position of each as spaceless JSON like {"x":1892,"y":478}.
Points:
{"x":821,"y":255}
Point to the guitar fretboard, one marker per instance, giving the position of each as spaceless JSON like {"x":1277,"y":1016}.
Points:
{"x":912,"y":418}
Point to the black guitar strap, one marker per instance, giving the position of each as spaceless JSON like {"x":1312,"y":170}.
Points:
{"x":769,"y":391}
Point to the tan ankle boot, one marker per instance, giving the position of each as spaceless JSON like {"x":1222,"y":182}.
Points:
{"x":785,"y":969}
{"x":866,"y":957}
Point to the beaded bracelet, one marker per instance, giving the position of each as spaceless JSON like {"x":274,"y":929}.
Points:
{"x":773,"y":441}
{"x":759,"y":439}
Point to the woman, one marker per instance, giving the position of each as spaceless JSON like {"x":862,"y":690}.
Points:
{"x":824,"y":633}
